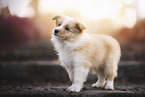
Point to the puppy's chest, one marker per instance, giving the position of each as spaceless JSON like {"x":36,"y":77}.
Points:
{"x":66,"y":57}
{"x":67,"y":52}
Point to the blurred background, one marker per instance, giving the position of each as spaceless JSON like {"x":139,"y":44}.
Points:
{"x":26,"y":26}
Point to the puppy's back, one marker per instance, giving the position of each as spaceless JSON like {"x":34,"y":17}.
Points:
{"x":105,"y":47}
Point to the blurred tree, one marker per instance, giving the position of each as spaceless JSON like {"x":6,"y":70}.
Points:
{"x":139,"y":32}
{"x":132,"y":35}
{"x":4,"y":12}
{"x":16,"y":31}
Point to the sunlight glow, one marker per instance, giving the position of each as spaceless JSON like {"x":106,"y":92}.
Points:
{"x":124,"y":12}
{"x":141,"y":8}
{"x":129,"y":18}
{"x":20,"y":8}
{"x":95,"y":9}
{"x":128,"y":1}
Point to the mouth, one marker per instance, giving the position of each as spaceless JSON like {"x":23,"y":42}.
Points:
{"x":56,"y":36}
{"x":60,"y":38}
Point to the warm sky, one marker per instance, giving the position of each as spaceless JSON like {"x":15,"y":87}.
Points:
{"x":92,"y":9}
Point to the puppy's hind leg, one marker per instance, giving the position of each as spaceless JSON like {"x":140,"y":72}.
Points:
{"x":110,"y":83}
{"x":80,"y":75}
{"x":111,"y":73}
{"x":101,"y":80}
{"x":111,"y":68}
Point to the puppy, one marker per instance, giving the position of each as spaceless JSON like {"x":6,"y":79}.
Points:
{"x":81,"y":53}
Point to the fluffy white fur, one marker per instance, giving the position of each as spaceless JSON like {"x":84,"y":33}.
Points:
{"x":84,"y":52}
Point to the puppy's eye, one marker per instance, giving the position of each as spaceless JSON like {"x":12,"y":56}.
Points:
{"x":59,"y":24}
{"x":66,"y":28}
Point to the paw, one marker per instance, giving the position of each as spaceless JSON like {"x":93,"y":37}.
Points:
{"x":98,"y":85}
{"x":109,"y":87}
{"x":74,"y":88}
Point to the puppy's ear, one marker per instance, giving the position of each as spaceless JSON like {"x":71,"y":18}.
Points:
{"x":80,"y":26}
{"x":57,"y":17}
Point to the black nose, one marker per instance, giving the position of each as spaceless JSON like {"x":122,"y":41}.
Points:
{"x":56,"y":32}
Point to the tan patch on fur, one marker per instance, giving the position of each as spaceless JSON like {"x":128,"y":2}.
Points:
{"x":73,"y":31}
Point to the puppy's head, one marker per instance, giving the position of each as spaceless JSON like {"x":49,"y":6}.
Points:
{"x":67,"y":28}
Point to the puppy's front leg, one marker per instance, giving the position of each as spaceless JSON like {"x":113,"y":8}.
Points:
{"x":80,"y":75}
